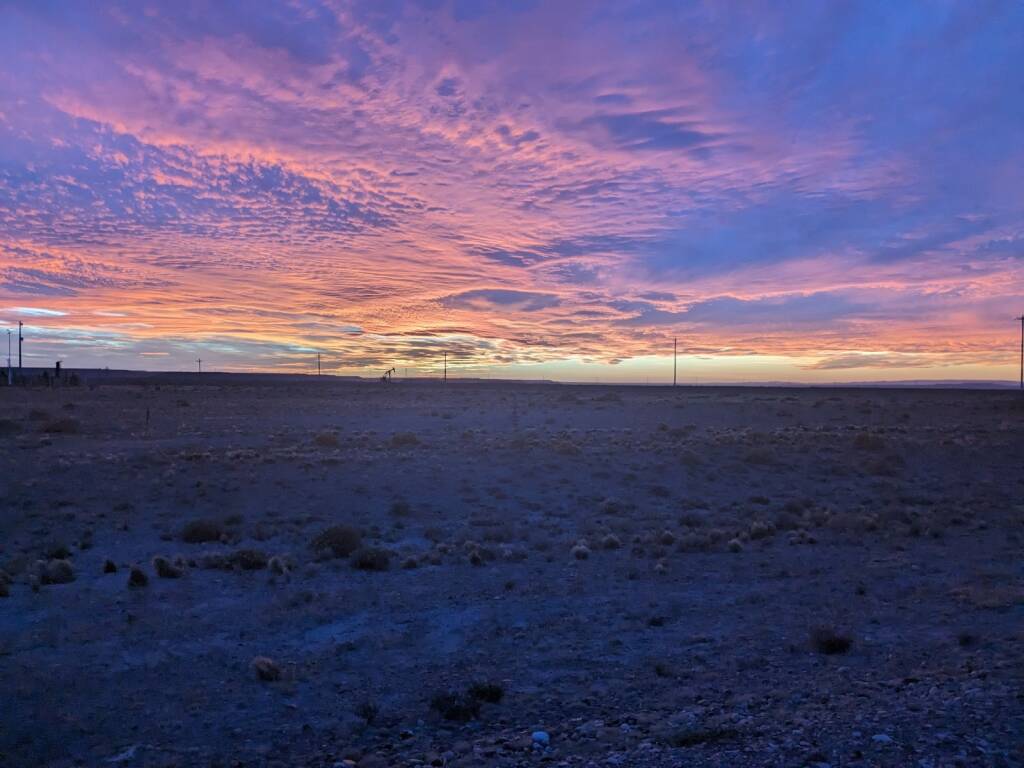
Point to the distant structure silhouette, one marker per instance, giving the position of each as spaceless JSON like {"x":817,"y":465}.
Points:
{"x":20,"y":339}
{"x":199,"y":362}
{"x":386,"y":378}
{"x":445,"y":378}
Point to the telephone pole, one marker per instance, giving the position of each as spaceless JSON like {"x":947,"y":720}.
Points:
{"x":20,"y":339}
{"x":199,"y":362}
{"x":317,"y":363}
{"x":445,"y":379}
{"x":674,"y":362}
{"x":1021,"y":318}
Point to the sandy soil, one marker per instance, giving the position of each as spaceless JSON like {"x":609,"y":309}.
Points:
{"x":639,"y":576}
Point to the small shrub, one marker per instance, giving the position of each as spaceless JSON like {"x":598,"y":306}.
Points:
{"x":368,"y":711}
{"x":866,"y":441}
{"x":266,"y":669}
{"x":109,"y":566}
{"x":459,"y":707}
{"x":404,"y":440}
{"x":64,"y":426}
{"x":337,"y":541}
{"x":58,"y":551}
{"x":371,"y":559}
{"x":828,"y":641}
{"x":492,"y":693}
{"x":56,"y":571}
{"x":611,"y":541}
{"x":760,"y":457}
{"x":201,"y":531}
{"x":137,"y":577}
{"x":279,"y":565}
{"x":580,"y":551}
{"x":248,"y":559}
{"x":327,"y":440}
{"x":165,"y":569}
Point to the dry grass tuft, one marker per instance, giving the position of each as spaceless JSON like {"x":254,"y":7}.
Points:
{"x":868,"y":441}
{"x":64,"y":426}
{"x":371,"y":559}
{"x":165,"y":569}
{"x":337,"y":541}
{"x":279,"y":565}
{"x":490,"y":692}
{"x":137,"y":577}
{"x":202,"y":531}
{"x":248,"y":559}
{"x":458,"y":707}
{"x":404,"y":440}
{"x":56,"y":571}
{"x":829,"y":641}
{"x":327,"y":440}
{"x":611,"y":541}
{"x":266,"y":669}
{"x":580,"y":551}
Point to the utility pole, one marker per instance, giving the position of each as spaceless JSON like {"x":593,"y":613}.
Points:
{"x":199,"y":362}
{"x":9,"y":376}
{"x":445,"y":380}
{"x":673,"y":362}
{"x":20,"y":339}
{"x":1021,"y":318}
{"x":317,"y":363}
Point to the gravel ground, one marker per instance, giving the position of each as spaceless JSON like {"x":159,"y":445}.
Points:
{"x":234,"y":571}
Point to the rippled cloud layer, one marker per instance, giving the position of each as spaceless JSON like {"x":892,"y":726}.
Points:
{"x":535,"y":188}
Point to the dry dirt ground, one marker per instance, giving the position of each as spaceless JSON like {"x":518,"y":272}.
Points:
{"x":232,"y":571}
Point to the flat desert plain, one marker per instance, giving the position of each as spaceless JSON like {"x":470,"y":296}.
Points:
{"x":249,"y":571}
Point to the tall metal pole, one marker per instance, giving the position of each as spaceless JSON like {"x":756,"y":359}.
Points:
{"x":673,"y":362}
{"x":317,"y":363}
{"x":199,"y":362}
{"x":9,"y":381}
{"x":1021,"y":318}
{"x":20,"y":339}
{"x":445,"y":367}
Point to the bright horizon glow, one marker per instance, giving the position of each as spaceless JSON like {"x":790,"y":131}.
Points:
{"x":806,"y":192}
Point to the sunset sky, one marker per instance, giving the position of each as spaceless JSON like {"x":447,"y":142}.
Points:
{"x":818,"y":191}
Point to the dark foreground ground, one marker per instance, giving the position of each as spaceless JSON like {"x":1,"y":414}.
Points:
{"x":642,"y":577}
